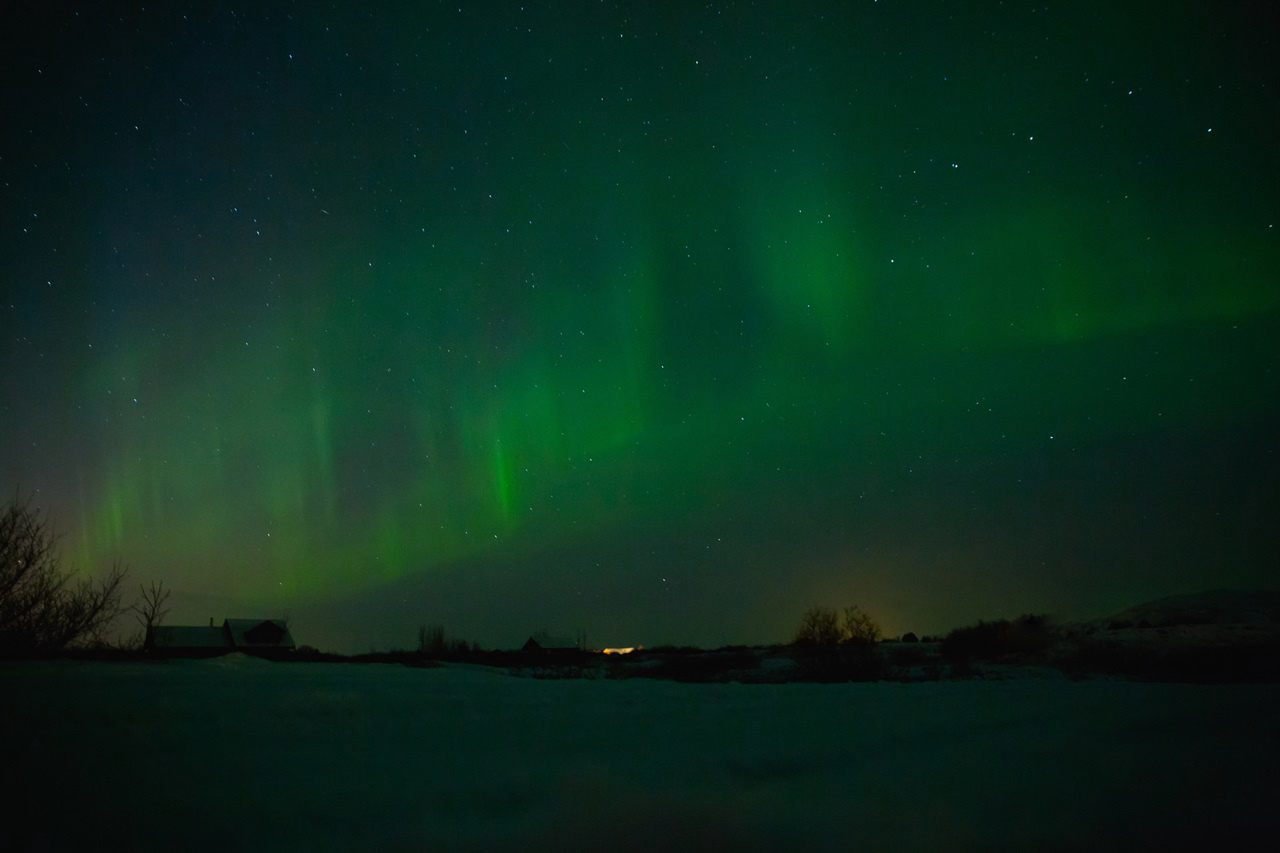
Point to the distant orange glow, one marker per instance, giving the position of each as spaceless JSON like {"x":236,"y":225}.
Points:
{"x":626,"y":651}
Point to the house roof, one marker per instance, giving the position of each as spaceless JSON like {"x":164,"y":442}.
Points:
{"x":189,"y":637}
{"x":548,"y":642}
{"x":231,"y":634}
{"x":259,"y":633}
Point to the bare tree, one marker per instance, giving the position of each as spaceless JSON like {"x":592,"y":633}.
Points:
{"x":29,"y":573}
{"x":150,"y":611}
{"x":823,"y":626}
{"x":820,"y":626}
{"x":431,"y":639}
{"x":41,"y":608}
{"x":859,"y":627}
{"x":93,"y":607}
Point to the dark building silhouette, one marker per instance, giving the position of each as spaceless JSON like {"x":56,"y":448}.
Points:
{"x":264,"y":636}
{"x":544,"y":642}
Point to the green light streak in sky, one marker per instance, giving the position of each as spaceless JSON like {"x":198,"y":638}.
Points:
{"x":502,"y":482}
{"x":533,"y":305}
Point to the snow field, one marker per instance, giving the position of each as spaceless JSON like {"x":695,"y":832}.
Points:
{"x":244,"y":753}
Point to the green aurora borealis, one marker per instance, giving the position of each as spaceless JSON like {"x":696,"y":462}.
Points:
{"x":660,"y":320}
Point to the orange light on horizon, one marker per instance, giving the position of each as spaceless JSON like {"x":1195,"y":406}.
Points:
{"x":624,"y":651}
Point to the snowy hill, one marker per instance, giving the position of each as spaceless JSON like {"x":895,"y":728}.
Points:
{"x":1216,"y":636}
{"x":1216,"y":607}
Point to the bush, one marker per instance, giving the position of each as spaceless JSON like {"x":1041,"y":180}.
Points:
{"x":432,"y":643}
{"x":698,"y":666}
{"x":839,"y":663}
{"x":907,"y":655}
{"x":1026,"y":636}
{"x":1240,"y":662}
{"x":41,"y":609}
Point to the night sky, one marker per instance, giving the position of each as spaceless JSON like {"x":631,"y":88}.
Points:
{"x":659,"y":321}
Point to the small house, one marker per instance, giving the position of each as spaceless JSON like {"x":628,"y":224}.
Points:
{"x":189,"y":640}
{"x":544,"y":642}
{"x":259,"y":634}
{"x":256,"y":636}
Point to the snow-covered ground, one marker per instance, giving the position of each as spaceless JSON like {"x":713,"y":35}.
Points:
{"x":241,"y":754}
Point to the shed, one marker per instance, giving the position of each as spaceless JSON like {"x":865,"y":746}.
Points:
{"x":259,"y":634}
{"x":544,"y":642}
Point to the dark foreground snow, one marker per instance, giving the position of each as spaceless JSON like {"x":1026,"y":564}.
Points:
{"x":241,"y":754}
